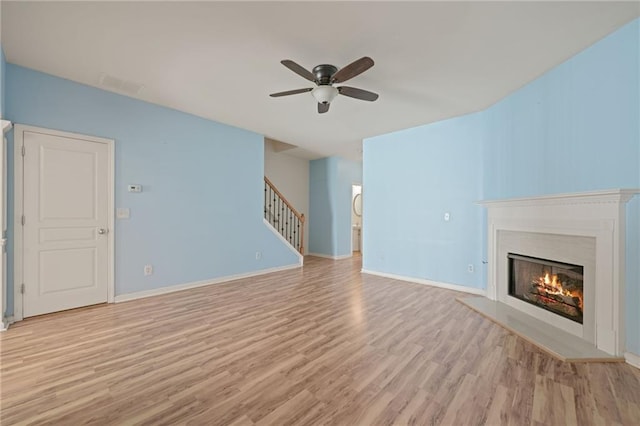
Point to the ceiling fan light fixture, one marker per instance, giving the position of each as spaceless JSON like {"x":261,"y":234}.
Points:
{"x":324,"y":94}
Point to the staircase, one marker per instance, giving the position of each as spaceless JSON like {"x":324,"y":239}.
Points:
{"x":283,"y":216}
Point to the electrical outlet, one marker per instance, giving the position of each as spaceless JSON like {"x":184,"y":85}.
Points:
{"x":148,"y":270}
{"x":258,"y":255}
{"x":470,"y":268}
{"x":122,"y":213}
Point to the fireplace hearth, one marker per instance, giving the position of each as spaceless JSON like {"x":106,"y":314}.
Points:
{"x":555,"y":286}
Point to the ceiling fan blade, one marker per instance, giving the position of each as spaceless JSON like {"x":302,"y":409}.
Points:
{"x":322,"y":108}
{"x":352,"y":70}
{"x":291,"y":92}
{"x":301,"y":71}
{"x":353,"y":92}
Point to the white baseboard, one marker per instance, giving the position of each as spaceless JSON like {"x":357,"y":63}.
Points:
{"x":456,"y":287}
{"x":5,"y":126}
{"x":4,"y":324}
{"x":632,"y":359}
{"x":284,"y":240}
{"x":328,"y":256}
{"x":186,"y":286}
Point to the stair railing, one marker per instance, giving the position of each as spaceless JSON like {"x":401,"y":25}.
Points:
{"x":283,"y":216}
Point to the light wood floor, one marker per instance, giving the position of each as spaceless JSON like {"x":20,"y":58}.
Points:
{"x":320,"y":345}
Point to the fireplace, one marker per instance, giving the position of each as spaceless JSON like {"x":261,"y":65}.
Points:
{"x":555,"y":286}
{"x":584,"y":233}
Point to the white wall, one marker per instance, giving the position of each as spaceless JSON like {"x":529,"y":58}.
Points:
{"x":291,"y":176}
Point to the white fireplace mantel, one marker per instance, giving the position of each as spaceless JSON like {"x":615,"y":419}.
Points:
{"x":618,"y":196}
{"x":587,"y":225}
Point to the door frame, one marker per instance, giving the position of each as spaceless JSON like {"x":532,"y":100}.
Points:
{"x":5,"y":127}
{"x":18,"y":208}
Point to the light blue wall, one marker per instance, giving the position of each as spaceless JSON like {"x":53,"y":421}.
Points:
{"x":200,"y":213}
{"x":576,"y":128}
{"x":321,"y":230}
{"x":411,"y":179}
{"x":573,"y":129}
{"x":330,"y":181}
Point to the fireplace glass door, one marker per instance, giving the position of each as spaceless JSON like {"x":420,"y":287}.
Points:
{"x":554,"y":286}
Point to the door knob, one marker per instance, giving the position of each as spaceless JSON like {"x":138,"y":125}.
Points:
{"x":102,"y":231}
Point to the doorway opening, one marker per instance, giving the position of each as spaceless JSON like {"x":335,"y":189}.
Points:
{"x":356,"y":218}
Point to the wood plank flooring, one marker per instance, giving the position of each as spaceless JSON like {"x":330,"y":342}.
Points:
{"x":319,"y":345}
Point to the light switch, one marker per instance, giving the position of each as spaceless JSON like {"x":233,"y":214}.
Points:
{"x":134,"y":188}
{"x":447,"y":216}
{"x":122,"y":213}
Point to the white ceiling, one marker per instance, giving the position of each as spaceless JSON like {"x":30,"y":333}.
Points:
{"x":220,"y":61}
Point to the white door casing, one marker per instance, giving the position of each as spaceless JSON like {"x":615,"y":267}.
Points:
{"x":5,"y":126}
{"x":64,"y":251}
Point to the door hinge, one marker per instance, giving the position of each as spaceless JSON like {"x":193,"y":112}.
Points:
{"x":24,"y":150}
{"x":23,"y":220}
{"x":22,"y":288}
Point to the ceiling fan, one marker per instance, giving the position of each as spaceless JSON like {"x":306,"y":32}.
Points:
{"x":325,"y":76}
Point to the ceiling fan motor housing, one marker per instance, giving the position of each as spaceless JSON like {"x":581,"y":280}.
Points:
{"x":324,"y":73}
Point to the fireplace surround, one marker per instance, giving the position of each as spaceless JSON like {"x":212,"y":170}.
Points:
{"x":585,"y":230}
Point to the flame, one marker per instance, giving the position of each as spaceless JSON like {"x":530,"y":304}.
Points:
{"x":552,"y":285}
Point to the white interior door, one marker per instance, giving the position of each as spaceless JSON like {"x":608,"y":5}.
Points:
{"x":66,"y":216}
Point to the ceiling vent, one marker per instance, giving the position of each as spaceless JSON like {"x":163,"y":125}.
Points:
{"x":110,"y":82}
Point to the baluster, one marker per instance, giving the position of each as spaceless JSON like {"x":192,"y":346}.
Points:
{"x":270,"y":205}
{"x":273,"y":212}
{"x":265,"y":199}
{"x":293,"y":231}
{"x":288,"y":237}
{"x":281,"y":214}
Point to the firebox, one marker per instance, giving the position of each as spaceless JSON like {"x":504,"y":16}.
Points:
{"x":551,"y":285}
